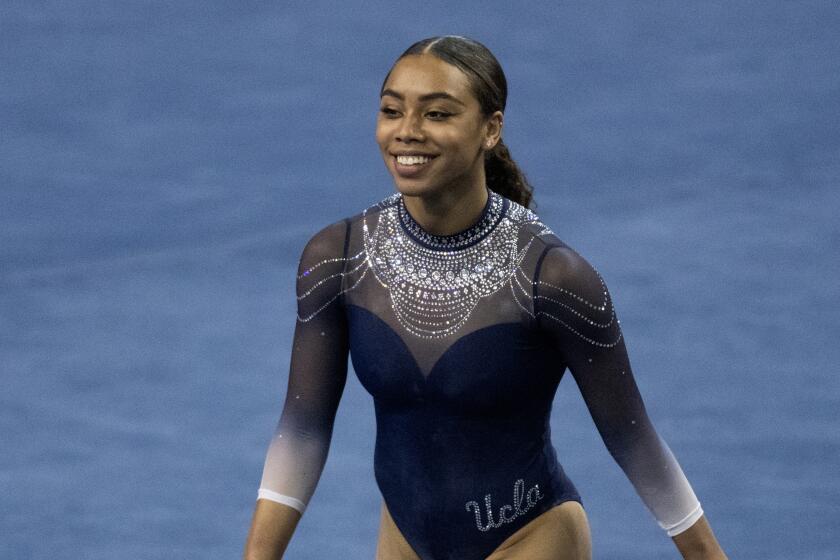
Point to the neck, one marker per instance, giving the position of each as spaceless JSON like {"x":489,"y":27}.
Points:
{"x":449,"y":211}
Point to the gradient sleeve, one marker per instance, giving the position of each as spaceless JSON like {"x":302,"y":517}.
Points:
{"x":575,"y":312}
{"x":317,"y":374}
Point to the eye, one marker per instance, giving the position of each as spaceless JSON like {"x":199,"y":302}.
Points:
{"x":438,"y":115}
{"x":387,"y":111}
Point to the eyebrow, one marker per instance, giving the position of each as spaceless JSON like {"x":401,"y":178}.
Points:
{"x":425,"y":97}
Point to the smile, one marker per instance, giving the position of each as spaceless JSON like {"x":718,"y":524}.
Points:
{"x":413,"y":160}
{"x":410,"y":166}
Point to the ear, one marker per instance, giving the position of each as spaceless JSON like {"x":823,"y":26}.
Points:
{"x":493,"y":130}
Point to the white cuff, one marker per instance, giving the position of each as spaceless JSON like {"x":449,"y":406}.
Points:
{"x":267,"y":494}
{"x":685,"y":523}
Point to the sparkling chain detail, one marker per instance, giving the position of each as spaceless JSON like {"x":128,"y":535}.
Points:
{"x":335,"y":297}
{"x":435,"y":282}
{"x":323,"y":280}
{"x":306,"y":272}
{"x":605,"y":304}
{"x":581,"y":335}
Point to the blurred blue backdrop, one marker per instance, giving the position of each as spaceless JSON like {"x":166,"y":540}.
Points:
{"x":163,"y":163}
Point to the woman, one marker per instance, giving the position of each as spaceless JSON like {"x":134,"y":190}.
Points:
{"x":461,"y":312}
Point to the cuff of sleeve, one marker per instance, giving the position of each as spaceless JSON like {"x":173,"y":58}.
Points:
{"x":685,"y":523}
{"x":266,"y":494}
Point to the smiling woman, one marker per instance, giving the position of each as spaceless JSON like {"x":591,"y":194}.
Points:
{"x":449,"y":129}
{"x":461,"y":311}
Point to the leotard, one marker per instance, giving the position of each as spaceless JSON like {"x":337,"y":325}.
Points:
{"x":462,"y":341}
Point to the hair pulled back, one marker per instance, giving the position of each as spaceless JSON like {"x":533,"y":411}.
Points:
{"x":489,"y":85}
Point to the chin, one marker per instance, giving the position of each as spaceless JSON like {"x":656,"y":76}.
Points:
{"x":412,"y":189}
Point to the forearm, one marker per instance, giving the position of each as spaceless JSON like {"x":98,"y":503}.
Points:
{"x":698,"y":542}
{"x":271,"y":530}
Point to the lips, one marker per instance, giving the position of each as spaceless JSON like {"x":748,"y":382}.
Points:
{"x":411,"y":164}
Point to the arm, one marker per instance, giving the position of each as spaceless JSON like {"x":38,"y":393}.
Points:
{"x":575,"y":312}
{"x":698,"y":542}
{"x":272,"y":526}
{"x":318,"y":370}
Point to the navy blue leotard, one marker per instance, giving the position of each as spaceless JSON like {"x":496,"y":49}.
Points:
{"x":462,"y":341}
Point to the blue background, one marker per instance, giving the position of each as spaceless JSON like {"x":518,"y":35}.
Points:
{"x":163,"y":164}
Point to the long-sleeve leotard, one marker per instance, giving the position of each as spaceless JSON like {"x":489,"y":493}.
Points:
{"x":462,"y":341}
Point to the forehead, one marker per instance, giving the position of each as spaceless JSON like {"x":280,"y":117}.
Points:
{"x":415,"y":75}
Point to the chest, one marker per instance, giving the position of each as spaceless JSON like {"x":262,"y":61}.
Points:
{"x":484,"y":369}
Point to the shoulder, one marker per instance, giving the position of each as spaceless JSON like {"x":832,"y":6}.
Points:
{"x":321,"y":269}
{"x":562,"y":265}
{"x":557,"y":261}
{"x":563,"y":273}
{"x":558,"y":258}
{"x":571,"y":298}
{"x":531,"y":233}
{"x":557,"y":265}
{"x":331,"y":239}
{"x":326,"y":243}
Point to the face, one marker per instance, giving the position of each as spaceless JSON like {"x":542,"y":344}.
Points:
{"x":430,"y":128}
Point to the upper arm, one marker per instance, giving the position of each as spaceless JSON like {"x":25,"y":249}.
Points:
{"x":575,"y":313}
{"x":318,"y":366}
{"x":574,"y":307}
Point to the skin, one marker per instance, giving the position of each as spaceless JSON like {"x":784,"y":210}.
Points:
{"x":561,"y":533}
{"x":698,"y":542}
{"x":447,"y":197}
{"x":450,"y":194}
{"x":272,"y":526}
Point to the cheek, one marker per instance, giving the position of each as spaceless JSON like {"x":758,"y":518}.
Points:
{"x":463,"y":147}
{"x":381,"y":134}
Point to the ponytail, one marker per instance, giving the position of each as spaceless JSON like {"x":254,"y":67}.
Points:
{"x":504,"y":176}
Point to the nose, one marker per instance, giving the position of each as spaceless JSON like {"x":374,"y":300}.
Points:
{"x":410,"y":129}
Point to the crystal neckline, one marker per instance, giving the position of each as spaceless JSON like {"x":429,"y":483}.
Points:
{"x":493,"y":212}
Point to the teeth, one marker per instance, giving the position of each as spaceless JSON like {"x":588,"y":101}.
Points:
{"x":412,"y":160}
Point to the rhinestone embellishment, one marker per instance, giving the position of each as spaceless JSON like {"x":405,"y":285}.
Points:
{"x":490,"y":216}
{"x":436,"y":281}
{"x":507,"y":513}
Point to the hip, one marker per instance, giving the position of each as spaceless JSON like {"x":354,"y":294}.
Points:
{"x":559,"y":533}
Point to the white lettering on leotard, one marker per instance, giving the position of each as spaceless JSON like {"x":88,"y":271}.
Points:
{"x":507,"y":513}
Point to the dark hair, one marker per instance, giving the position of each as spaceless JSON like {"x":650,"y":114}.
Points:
{"x":488,"y":82}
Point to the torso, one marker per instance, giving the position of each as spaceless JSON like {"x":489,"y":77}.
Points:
{"x":442,"y":335}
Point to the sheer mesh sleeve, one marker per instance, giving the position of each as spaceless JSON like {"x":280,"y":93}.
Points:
{"x":317,"y":374}
{"x":575,"y":312}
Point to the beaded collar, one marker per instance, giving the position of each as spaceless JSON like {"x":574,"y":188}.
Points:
{"x":435,"y":281}
{"x":433,"y":291}
{"x":493,"y":212}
